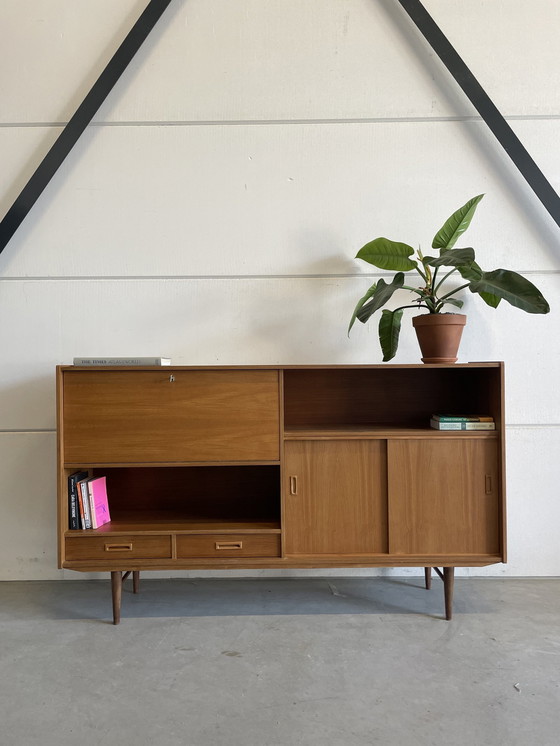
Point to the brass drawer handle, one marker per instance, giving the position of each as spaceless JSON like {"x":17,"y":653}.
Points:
{"x":229,"y":545}
{"x":118,"y":547}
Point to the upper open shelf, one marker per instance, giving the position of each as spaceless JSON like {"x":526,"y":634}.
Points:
{"x":382,"y":400}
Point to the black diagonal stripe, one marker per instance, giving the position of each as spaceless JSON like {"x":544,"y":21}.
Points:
{"x":485,"y":107}
{"x":80,"y":120}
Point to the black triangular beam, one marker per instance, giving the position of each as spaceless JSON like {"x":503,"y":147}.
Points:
{"x":145,"y":23}
{"x":80,"y":120}
{"x":483,"y":104}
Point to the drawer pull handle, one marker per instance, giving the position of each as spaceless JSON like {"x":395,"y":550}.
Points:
{"x":488,"y":484}
{"x":118,"y":547}
{"x":293,"y":485}
{"x":229,"y":545}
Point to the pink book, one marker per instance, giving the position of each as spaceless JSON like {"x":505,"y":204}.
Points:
{"x":98,"y":499}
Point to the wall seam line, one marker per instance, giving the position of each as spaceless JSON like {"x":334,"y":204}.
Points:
{"x":152,"y":278}
{"x":295,"y":121}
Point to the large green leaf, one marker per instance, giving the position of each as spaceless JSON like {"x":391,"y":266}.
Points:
{"x":360,"y":303}
{"x":454,"y":258}
{"x":512,"y":287}
{"x":387,"y":254}
{"x":473,"y":273}
{"x":389,"y":330}
{"x":380,"y":296}
{"x":457,"y":224}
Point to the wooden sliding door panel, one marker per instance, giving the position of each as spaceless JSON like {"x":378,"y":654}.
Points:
{"x":170,"y":415}
{"x":444,"y":496}
{"x":335,"y":497}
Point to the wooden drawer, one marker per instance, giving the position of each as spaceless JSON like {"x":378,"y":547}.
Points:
{"x":151,"y":416}
{"x":228,"y":546}
{"x":118,"y":547}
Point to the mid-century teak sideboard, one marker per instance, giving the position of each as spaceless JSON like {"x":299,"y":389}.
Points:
{"x":283,"y":466}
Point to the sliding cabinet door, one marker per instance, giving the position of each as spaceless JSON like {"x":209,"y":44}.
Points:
{"x":335,"y":497}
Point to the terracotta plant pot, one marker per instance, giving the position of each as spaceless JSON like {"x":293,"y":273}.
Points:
{"x":439,"y":336}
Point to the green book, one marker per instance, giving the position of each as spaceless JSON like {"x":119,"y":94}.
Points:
{"x":438,"y":425}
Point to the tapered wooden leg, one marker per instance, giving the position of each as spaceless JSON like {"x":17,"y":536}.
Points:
{"x":116,"y":587}
{"x":135,"y":581}
{"x":428,"y":577}
{"x":448,"y":583}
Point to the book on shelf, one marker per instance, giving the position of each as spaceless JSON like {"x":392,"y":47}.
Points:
{"x":83,"y":498}
{"x":74,"y":521}
{"x":438,"y":425}
{"x":99,"y":505}
{"x":122,"y":361}
{"x":462,"y":418}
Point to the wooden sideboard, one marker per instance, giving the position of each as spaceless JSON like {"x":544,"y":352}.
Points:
{"x":283,"y":466}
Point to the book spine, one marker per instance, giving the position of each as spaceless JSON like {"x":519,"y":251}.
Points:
{"x":73,"y":522}
{"x":81,"y":519}
{"x":122,"y":361}
{"x":85,"y":503}
{"x":91,"y":505}
{"x":462,"y":425}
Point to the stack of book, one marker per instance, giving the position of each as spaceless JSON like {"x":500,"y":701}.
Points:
{"x":88,"y":506}
{"x":122,"y":361}
{"x":462,"y":422}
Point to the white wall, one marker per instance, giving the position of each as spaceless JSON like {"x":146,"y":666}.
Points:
{"x":212,"y":211}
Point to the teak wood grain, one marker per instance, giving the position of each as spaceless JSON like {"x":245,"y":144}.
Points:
{"x":108,"y":548}
{"x":335,"y":497}
{"x":228,"y":545}
{"x":444,"y":496}
{"x":144,"y":416}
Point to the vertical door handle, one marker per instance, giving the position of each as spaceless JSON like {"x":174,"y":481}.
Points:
{"x":293,"y":485}
{"x":488,"y":484}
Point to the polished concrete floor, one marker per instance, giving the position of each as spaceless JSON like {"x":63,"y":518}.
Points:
{"x":281,"y":662}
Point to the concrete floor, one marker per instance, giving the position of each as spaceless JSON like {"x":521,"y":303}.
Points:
{"x":275,"y":662}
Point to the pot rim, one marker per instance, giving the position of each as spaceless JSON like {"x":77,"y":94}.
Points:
{"x":433,"y":319}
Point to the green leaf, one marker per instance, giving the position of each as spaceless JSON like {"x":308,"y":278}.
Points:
{"x":454,"y":302}
{"x":491,"y":299}
{"x":382,"y":294}
{"x":457,"y":224}
{"x":473,"y":273}
{"x":389,"y":330}
{"x":512,"y":287}
{"x":386,"y":254}
{"x":360,"y":303}
{"x":454,"y":258}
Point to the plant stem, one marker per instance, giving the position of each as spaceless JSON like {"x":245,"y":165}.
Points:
{"x":443,"y":279}
{"x":412,"y":290}
{"x":422,"y":274}
{"x":461,"y":287}
{"x":420,"y":305}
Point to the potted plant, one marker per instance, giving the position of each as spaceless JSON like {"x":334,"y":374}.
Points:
{"x":434,"y":271}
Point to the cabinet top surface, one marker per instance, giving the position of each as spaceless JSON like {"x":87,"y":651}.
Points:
{"x":380,"y":366}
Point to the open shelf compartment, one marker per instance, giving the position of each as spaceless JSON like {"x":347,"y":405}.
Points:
{"x":388,"y":399}
{"x":195,"y":499}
